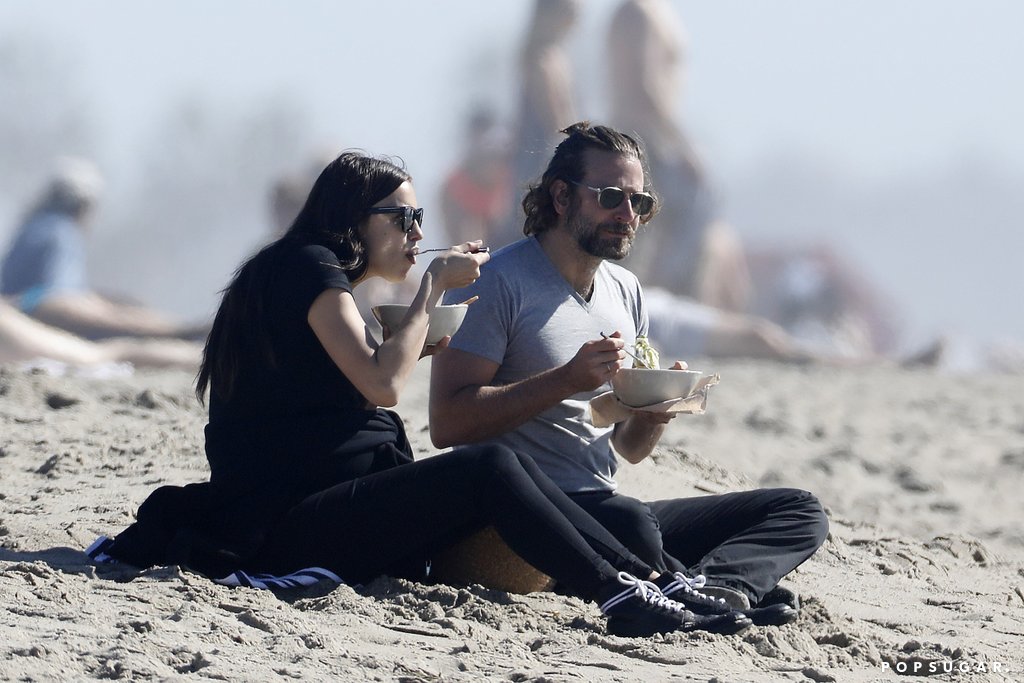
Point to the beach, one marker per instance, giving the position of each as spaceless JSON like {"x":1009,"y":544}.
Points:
{"x":922,"y":573}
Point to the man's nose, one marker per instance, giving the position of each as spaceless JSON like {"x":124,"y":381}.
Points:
{"x":624,"y":212}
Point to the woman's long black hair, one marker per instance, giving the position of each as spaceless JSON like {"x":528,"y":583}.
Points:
{"x":336,"y":207}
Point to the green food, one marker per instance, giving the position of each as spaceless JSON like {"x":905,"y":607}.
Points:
{"x":647,"y":352}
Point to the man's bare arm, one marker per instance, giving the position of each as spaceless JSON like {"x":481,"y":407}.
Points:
{"x":465,"y":407}
{"x":635,"y":438}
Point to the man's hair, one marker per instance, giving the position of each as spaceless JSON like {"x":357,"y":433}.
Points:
{"x":568,"y":165}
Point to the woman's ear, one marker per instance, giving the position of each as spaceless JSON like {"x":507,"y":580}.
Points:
{"x":560,"y":196}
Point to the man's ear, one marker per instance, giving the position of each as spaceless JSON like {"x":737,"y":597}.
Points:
{"x":560,"y":196}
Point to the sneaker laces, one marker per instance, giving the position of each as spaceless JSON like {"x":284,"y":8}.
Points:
{"x":646,"y":591}
{"x":691,"y":587}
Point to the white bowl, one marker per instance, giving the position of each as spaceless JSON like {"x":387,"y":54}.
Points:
{"x":444,"y":320}
{"x":638,"y":387}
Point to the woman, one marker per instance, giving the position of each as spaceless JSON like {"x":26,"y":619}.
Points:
{"x":307,"y":468}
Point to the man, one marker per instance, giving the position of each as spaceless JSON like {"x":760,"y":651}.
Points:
{"x":44,"y":271}
{"x":531,"y":354}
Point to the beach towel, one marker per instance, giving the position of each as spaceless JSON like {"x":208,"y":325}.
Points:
{"x":310,"y":576}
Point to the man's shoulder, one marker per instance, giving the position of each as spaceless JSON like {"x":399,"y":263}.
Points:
{"x":512,"y":254}
{"x":512,"y":262}
{"x":620,"y":274}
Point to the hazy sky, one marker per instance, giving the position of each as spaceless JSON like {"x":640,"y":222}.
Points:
{"x":877,"y":92}
{"x":883,"y":87}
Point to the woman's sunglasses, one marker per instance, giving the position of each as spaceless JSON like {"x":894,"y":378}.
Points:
{"x":409,"y":215}
{"x":612,"y":197}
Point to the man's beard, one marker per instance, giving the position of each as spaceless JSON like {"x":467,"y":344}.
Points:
{"x":588,"y":236}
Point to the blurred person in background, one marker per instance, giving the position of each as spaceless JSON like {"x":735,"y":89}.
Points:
{"x":807,"y":305}
{"x":45,"y":272}
{"x":681,"y":327}
{"x":476,"y":196}
{"x":817,"y":296}
{"x":287,"y":194}
{"x":26,"y":340}
{"x":545,"y":96}
{"x":689,"y":248}
{"x":289,"y":190}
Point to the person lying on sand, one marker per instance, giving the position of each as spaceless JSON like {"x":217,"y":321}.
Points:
{"x":532,"y":353}
{"x":24,"y":339}
{"x":307,"y":466}
{"x":44,"y":270}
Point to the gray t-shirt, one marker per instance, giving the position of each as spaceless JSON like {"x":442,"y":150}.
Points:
{"x":530,"y":319}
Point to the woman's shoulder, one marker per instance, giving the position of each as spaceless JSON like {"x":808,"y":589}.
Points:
{"x":296,"y":250}
{"x":299,"y":257}
{"x":313,"y":264}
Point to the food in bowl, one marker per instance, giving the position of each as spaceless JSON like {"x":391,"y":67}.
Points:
{"x":444,"y":320}
{"x":646,"y":352}
{"x":639,"y":387}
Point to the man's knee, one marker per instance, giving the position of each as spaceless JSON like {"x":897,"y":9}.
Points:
{"x":638,"y":515}
{"x":633,"y":522}
{"x":806,"y":506}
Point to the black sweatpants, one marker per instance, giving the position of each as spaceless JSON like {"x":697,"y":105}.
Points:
{"x":387,"y":522}
{"x":747,"y":540}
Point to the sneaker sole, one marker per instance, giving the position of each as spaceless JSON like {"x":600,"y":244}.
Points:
{"x":725,"y":624}
{"x":772,"y":615}
{"x":776,"y":614}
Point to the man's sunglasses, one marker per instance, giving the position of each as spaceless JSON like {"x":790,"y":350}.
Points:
{"x":612,"y":197}
{"x":409,"y":215}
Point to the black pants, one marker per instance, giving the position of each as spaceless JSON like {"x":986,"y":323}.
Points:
{"x":390,"y":521}
{"x":747,"y":540}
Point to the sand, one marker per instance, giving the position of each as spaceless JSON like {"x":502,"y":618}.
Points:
{"x":924,"y":568}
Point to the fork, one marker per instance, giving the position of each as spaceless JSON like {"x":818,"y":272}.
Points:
{"x":481,"y":250}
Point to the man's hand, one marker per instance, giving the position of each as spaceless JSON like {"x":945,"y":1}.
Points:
{"x":595,"y":363}
{"x":650,"y":417}
{"x":635,"y":438}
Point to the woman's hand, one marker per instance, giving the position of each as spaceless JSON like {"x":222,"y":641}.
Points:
{"x":459,"y":266}
{"x":431,"y":349}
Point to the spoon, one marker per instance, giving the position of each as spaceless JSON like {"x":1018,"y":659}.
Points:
{"x":630,"y":353}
